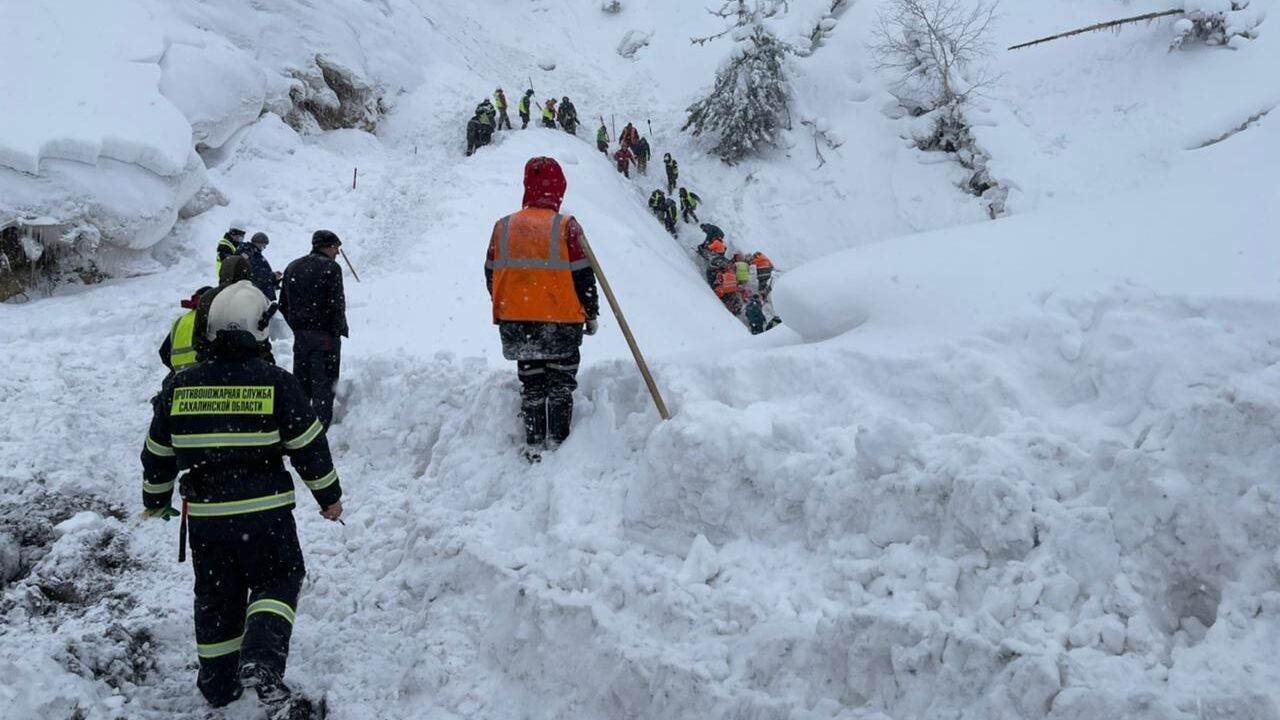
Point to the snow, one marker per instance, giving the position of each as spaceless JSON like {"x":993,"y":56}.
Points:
{"x":988,"y":469}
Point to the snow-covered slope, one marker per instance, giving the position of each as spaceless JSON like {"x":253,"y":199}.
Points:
{"x":1012,"y":469}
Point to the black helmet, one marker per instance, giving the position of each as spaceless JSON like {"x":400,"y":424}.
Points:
{"x":529,"y":91}
{"x":564,"y":99}
{"x":666,"y":156}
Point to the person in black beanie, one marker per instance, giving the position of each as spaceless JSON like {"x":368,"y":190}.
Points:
{"x":313,"y":304}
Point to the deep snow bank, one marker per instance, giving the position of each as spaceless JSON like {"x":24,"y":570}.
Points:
{"x":1184,"y":236}
{"x":115,"y":99}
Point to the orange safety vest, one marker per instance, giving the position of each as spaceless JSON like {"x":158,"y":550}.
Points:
{"x":716,"y":246}
{"x":532,"y":272}
{"x":728,"y":284}
{"x":760,"y":261}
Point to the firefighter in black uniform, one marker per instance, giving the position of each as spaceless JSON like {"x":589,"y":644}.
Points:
{"x":227,"y":423}
{"x":313,"y":303}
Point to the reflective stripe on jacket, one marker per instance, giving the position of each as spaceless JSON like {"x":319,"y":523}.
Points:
{"x":532,"y":271}
{"x":182,"y":350}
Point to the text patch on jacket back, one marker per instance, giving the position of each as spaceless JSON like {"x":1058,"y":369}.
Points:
{"x":224,"y":400}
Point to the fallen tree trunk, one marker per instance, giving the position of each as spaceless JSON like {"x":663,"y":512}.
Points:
{"x":1102,"y":26}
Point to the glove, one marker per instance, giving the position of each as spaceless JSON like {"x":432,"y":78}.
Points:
{"x":163,"y":513}
{"x":591,"y":326}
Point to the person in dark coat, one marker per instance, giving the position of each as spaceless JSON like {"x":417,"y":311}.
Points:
{"x":568,"y":116}
{"x":670,"y":216}
{"x":641,"y":150}
{"x":473,"y":135}
{"x":260,"y":272}
{"x":315,"y":307}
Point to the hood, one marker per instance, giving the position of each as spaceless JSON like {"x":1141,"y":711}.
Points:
{"x":544,"y":183}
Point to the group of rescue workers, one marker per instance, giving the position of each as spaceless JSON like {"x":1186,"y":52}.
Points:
{"x":742,"y":281}
{"x":226,"y":415}
{"x":491,"y":115}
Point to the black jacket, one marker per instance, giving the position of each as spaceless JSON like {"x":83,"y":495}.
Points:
{"x":311,"y":295}
{"x":227,"y":423}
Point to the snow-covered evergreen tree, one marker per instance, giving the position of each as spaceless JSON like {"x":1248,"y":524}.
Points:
{"x":750,"y":102}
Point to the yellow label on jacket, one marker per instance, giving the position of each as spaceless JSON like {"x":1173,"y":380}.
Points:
{"x":224,"y":400}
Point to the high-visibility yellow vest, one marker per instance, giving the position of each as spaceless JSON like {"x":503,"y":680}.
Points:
{"x":182,"y":349}
{"x":742,"y":271}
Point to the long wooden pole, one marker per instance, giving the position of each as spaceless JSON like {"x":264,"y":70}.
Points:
{"x":348,"y":262}
{"x":626,"y":332}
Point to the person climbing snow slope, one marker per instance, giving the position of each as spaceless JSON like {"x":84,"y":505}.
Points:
{"x":542,"y":331}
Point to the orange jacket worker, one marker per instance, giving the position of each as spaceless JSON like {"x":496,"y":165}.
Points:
{"x":544,"y":300}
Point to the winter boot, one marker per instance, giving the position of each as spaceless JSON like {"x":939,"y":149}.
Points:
{"x":270,"y":687}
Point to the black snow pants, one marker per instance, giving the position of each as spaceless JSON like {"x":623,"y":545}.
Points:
{"x":249,"y":572}
{"x":546,"y":397}
{"x":317,"y":360}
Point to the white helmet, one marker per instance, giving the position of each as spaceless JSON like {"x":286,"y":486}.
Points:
{"x":238,"y":306}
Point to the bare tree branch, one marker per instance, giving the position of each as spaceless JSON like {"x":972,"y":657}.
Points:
{"x":937,"y":46}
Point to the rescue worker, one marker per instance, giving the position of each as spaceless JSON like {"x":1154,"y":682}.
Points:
{"x":314,"y":304}
{"x":549,"y":114}
{"x":629,"y":136}
{"x":673,"y":172}
{"x":623,"y":158}
{"x":712,"y":231}
{"x":753,"y":311}
{"x":726,"y":287}
{"x":641,"y":150}
{"x":178,"y":351}
{"x":485,"y":117}
{"x":500,"y":102}
{"x":226,"y":425}
{"x":764,"y":274}
{"x":689,"y":205}
{"x":670,"y":216}
{"x":602,"y":139}
{"x":473,"y":135}
{"x":486,"y":112}
{"x":544,"y":300}
{"x":741,"y":269}
{"x":260,"y":272}
{"x":523,"y":108}
{"x":228,"y":245}
{"x":657,"y":204}
{"x":234,"y":269}
{"x":712,"y":253}
{"x":568,"y":116}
